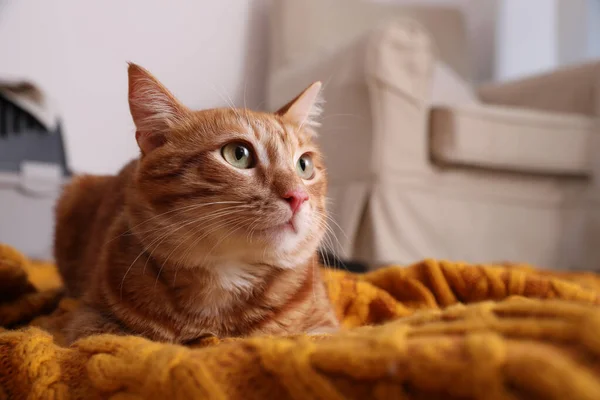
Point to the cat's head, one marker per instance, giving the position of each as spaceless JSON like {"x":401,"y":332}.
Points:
{"x":226,"y":183}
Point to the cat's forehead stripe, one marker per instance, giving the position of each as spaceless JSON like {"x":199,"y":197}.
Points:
{"x":278,"y":129}
{"x":269,"y":143}
{"x":277,"y":145}
{"x":257,"y":129}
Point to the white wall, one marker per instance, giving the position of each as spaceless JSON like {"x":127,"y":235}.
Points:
{"x":593,"y":23}
{"x":205,"y":51}
{"x":572,"y":31}
{"x":526,"y":38}
{"x":539,"y":35}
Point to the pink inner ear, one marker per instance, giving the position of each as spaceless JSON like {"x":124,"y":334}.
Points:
{"x":149,"y":141}
{"x":304,"y":108}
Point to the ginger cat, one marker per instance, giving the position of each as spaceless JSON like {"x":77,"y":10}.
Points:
{"x":212,"y":231}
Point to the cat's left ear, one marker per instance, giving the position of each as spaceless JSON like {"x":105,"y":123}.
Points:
{"x":306,"y":107}
{"x":153,"y":108}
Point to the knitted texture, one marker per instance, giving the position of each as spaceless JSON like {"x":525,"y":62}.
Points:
{"x":432,"y":330}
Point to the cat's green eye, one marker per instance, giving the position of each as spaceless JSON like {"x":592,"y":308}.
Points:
{"x":305,"y":167}
{"x":238,"y":154}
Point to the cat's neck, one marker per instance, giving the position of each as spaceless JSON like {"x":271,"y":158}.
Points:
{"x":214,"y":284}
{"x":223,"y":286}
{"x":229,"y":274}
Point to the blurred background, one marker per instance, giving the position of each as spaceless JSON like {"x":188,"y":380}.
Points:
{"x":456,"y":129}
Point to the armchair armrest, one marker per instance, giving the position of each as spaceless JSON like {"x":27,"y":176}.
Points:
{"x":568,"y":90}
{"x":377,"y":91}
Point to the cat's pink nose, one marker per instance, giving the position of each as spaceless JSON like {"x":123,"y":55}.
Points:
{"x":295,"y":199}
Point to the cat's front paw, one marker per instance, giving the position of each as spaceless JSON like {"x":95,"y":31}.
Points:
{"x":85,"y":322}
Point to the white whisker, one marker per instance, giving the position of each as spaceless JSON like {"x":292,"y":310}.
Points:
{"x":180,"y":209}
{"x":223,"y":216}
{"x":162,"y":237}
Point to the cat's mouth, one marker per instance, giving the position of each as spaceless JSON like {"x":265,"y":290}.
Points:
{"x":290,"y":226}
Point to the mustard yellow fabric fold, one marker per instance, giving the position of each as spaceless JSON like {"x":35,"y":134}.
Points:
{"x":433,"y":330}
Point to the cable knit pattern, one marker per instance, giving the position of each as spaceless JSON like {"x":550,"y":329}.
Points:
{"x":431,"y":330}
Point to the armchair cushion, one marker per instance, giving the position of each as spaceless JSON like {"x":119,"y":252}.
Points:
{"x":449,"y":88}
{"x":512,"y":139}
{"x":572,"y":89}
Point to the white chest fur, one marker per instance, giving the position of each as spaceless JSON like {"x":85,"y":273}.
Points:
{"x":235,"y":277}
{"x":229,"y":284}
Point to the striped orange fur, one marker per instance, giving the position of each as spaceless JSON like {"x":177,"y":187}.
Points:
{"x":213,"y":230}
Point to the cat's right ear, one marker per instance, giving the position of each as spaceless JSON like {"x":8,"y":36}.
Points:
{"x":153,"y":108}
{"x":306,"y":107}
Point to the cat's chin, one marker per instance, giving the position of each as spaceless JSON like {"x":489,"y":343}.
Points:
{"x":284,"y":237}
{"x":280,"y":237}
{"x":280,"y":229}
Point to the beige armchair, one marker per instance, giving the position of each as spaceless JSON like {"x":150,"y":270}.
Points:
{"x":422,"y":164}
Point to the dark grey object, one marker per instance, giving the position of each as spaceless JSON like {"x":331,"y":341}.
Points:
{"x":23,"y":138}
{"x":33,"y":169}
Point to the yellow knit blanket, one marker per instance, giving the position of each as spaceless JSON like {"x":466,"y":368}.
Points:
{"x":428,"y":331}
